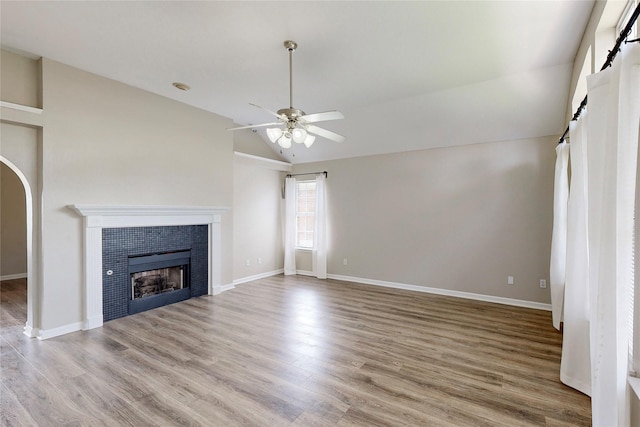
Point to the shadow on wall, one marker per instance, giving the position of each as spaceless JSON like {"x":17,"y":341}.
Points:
{"x":13,"y":225}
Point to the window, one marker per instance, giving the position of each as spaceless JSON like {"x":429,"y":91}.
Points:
{"x":624,"y":19}
{"x":305,"y":213}
{"x":634,"y":311}
{"x":634,"y":301}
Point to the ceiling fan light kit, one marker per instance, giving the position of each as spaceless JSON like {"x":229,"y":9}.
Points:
{"x":274,"y":134}
{"x":285,"y":140}
{"x":301,"y":136}
{"x":298,"y":125}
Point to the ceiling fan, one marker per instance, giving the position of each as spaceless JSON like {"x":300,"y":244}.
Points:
{"x":298,"y":126}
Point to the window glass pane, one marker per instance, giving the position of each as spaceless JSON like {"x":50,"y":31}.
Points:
{"x":305,"y":213}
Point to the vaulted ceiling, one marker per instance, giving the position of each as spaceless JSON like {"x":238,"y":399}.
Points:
{"x":406,"y":75}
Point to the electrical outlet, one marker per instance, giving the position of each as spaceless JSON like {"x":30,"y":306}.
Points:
{"x":344,"y":262}
{"x":543,"y":283}
{"x":510,"y":280}
{"x":259,"y":261}
{"x":248,"y":263}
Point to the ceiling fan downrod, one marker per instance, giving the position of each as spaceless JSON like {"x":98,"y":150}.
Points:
{"x":291,"y":47}
{"x":291,"y":113}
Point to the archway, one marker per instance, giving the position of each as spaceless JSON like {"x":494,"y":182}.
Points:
{"x":29,"y":328}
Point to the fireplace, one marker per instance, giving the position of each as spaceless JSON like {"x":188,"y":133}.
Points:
{"x":158,"y":279}
{"x":104,"y":299}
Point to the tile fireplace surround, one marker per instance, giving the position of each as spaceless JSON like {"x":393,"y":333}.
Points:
{"x":97,"y":217}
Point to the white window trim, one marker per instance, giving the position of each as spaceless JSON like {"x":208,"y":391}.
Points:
{"x":624,"y":18}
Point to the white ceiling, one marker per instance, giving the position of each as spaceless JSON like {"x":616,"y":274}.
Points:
{"x":406,"y":75}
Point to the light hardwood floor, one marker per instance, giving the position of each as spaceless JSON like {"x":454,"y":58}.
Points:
{"x":293,"y":351}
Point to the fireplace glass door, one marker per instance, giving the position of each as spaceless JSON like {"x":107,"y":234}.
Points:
{"x":154,"y":282}
{"x":158,"y":279}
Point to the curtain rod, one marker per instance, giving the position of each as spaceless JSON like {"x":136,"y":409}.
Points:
{"x":291,"y":175}
{"x":612,"y":54}
{"x":326,"y":174}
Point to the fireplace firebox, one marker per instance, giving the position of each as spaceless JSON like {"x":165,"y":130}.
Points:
{"x":158,"y":279}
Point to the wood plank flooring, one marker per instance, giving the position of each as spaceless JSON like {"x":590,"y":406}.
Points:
{"x":292,"y":351}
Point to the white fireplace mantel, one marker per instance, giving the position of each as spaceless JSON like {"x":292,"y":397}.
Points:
{"x":97,"y":217}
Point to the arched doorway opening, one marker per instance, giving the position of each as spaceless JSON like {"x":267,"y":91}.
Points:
{"x":12,"y":172}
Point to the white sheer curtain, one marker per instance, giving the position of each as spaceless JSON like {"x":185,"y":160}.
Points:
{"x":559,"y":234}
{"x":614,"y":106}
{"x":319,"y":251}
{"x":289,"y":226}
{"x":575,"y":368}
{"x":599,"y":269}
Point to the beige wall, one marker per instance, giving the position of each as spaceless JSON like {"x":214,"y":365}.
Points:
{"x":103,"y":142}
{"x":257,"y":218}
{"x":459,"y":219}
{"x":108,"y":143}
{"x":20,"y":149}
{"x":13,"y":224}
{"x":257,"y":204}
{"x":248,"y":142}
{"x":20,"y":145}
{"x":20,"y":79}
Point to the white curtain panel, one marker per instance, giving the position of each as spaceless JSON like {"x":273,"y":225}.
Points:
{"x":636,"y":270}
{"x":559,"y":234}
{"x":319,"y":251}
{"x":575,"y":367}
{"x":614,"y":108}
{"x":598,"y":87}
{"x":289,"y":226}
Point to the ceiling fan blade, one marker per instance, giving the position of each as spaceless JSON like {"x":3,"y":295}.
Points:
{"x":325,"y":133}
{"x":256,"y":126}
{"x":322,"y":117}
{"x":280,"y":116}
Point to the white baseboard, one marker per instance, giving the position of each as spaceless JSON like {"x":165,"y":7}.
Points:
{"x":445,"y":292}
{"x":30,"y":332}
{"x":45,"y":334}
{"x":304,"y":273}
{"x":217,"y":290}
{"x":256,"y":277}
{"x":13,"y":276}
{"x":93,"y":322}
